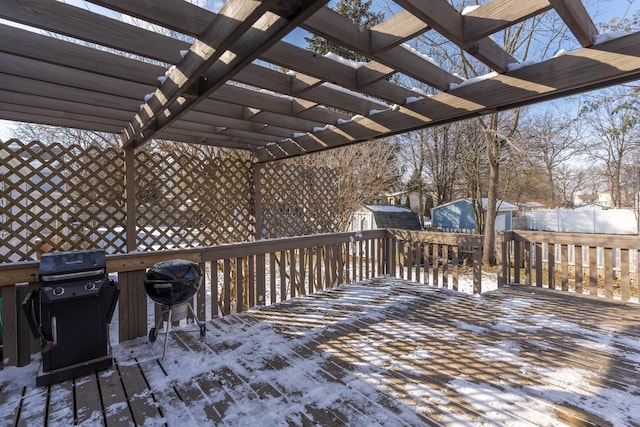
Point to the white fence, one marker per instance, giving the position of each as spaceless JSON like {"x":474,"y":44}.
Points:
{"x":585,"y":220}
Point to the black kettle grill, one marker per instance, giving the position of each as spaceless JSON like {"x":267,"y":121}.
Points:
{"x":69,"y":313}
{"x":171,"y":284}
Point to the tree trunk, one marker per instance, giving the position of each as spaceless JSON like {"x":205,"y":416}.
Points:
{"x":493,"y":154}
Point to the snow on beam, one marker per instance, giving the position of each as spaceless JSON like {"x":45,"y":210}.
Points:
{"x":242,"y":27}
{"x":444,"y":18}
{"x":609,"y":63}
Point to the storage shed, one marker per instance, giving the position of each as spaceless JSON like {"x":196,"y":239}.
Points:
{"x":370,"y":217}
{"x":458,"y":215}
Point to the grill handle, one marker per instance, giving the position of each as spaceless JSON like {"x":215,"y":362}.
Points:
{"x":54,"y":332}
{"x":162,"y":285}
{"x":33,"y":318}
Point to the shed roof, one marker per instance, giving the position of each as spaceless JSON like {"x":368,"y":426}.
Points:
{"x":501,"y":204}
{"x":393,"y":216}
{"x":228,"y":78}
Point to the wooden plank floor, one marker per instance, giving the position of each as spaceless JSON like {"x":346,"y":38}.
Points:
{"x":385,"y":352}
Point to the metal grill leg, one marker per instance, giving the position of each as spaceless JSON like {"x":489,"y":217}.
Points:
{"x":166,"y":338}
{"x":202,"y":326}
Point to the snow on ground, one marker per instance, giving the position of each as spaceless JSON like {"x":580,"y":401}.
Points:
{"x":252,"y":346}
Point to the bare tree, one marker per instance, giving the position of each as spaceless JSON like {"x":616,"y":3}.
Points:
{"x":552,"y":139}
{"x":430,"y":154}
{"x":613,"y":117}
{"x":569,"y":180}
{"x":473,"y":168}
{"x":66,"y":136}
{"x":364,"y":171}
{"x":632,"y":178}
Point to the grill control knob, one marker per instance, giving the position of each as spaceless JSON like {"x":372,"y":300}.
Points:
{"x":58,"y":291}
{"x":89,"y":286}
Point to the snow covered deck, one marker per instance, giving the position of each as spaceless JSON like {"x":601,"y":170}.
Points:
{"x":381,"y":352}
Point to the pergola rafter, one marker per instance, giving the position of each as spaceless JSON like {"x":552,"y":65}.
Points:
{"x":238,"y":84}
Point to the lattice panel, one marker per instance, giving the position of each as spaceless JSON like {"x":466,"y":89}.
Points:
{"x":186,"y":201}
{"x":296,"y":200}
{"x":57,"y":197}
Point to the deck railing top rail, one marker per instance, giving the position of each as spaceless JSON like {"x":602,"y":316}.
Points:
{"x":27,"y":271}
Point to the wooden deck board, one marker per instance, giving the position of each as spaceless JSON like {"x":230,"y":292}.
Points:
{"x":32,"y":405}
{"x":139,"y":396}
{"x":114,"y":399}
{"x":388,"y":352}
{"x":88,"y":402}
{"x":61,"y":411}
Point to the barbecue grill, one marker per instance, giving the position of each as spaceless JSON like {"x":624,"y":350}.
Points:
{"x":69,"y":313}
{"x":171,"y":284}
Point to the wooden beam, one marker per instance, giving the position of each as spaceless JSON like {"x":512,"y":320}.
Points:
{"x":27,"y":44}
{"x":310,"y":63}
{"x":331,"y":25}
{"x":397,"y":29}
{"x":47,"y":117}
{"x":326,"y":95}
{"x":418,"y":68}
{"x":91,"y":27}
{"x":281,"y":105}
{"x":247,"y":28}
{"x":57,"y":91}
{"x":577,"y":19}
{"x":196,"y":118}
{"x":443,"y":17}
{"x":170,"y":135}
{"x":60,"y":75}
{"x":339,"y":29}
{"x":177,"y":15}
{"x":608,"y":63}
{"x":221,"y":134}
{"x":88,"y":110}
{"x":497,"y":15}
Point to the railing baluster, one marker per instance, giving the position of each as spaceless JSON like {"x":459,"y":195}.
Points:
{"x":239,"y":286}
{"x":252,"y":281}
{"x":527,"y":262}
{"x":608,"y":273}
{"x":283,"y":279}
{"x":436,"y":261}
{"x":538,"y":264}
{"x":302,"y":276}
{"x":625,"y":280}
{"x":226,"y":269}
{"x":445,"y":266}
{"x":273,"y":297}
{"x":517,"y":260}
{"x":214,"y":288}
{"x":201,"y":295}
{"x":564,"y":263}
{"x":578,"y":268}
{"x":593,"y":270}
{"x":455,"y":262}
{"x":551,"y":265}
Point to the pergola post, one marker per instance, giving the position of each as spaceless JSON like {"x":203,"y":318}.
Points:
{"x":132,"y":322}
{"x":130,"y":197}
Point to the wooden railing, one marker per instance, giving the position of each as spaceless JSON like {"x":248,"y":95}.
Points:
{"x":243,"y":275}
{"x":600,"y":265}
{"x":437,"y":258}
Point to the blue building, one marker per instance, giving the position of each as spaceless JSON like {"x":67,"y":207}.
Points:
{"x":457,"y":216}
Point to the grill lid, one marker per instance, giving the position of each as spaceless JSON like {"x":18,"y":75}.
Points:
{"x":172,"y":282}
{"x":73,"y":265}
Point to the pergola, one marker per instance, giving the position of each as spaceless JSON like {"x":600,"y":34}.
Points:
{"x":236,"y":83}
